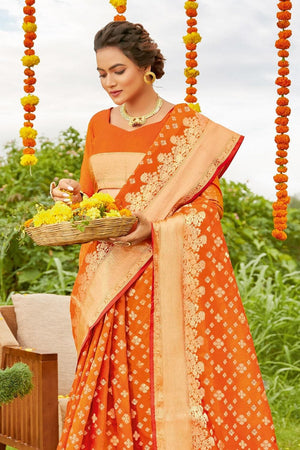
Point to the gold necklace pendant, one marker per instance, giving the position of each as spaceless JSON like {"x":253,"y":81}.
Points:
{"x":140,"y":120}
{"x":137,"y":121}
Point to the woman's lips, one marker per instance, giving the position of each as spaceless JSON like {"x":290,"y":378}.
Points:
{"x":115,"y":93}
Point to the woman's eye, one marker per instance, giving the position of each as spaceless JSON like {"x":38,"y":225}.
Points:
{"x":120,"y":72}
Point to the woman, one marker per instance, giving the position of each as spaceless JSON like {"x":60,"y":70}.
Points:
{"x":165,"y":357}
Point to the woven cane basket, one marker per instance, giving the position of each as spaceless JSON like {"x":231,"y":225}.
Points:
{"x":67,"y":233}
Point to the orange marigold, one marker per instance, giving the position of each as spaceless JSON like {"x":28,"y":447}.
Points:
{"x":283,"y":44}
{"x":191,"y":22}
{"x":284,"y":15}
{"x":190,"y":99}
{"x":282,"y":129}
{"x":29,"y":108}
{"x":29,"y":116}
{"x":191,"y":55}
{"x":30,"y":2}
{"x":283,"y":111}
{"x":283,"y":146}
{"x":283,"y":63}
{"x":283,"y":24}
{"x":29,"y":89}
{"x":283,"y":54}
{"x":27,"y":142}
{"x":282,"y":139}
{"x":30,"y":35}
{"x":282,"y":169}
{"x":119,"y":18}
{"x":283,"y":91}
{"x":282,"y":195}
{"x":191,"y":46}
{"x":285,"y":5}
{"x":29,"y":52}
{"x":29,"y":72}
{"x":191,"y":80}
{"x":30,"y":10}
{"x":191,"y":63}
{"x":29,"y":18}
{"x":30,"y":80}
{"x":191,"y":12}
{"x":281,"y":186}
{"x":28,"y":151}
{"x":280,"y":178}
{"x":282,"y":120}
{"x":280,"y":235}
{"x":283,"y":71}
{"x":191,"y":90}
{"x":28,"y":124}
{"x":192,"y":30}
{"x":28,"y":43}
{"x":121,"y":9}
{"x":285,"y":34}
{"x":281,"y":161}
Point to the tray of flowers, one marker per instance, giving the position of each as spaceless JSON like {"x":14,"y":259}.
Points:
{"x":94,"y":219}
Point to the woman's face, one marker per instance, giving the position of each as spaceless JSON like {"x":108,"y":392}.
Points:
{"x":122,"y":79}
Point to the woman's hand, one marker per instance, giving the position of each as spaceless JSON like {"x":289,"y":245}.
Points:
{"x":140,"y":234}
{"x":67,"y":191}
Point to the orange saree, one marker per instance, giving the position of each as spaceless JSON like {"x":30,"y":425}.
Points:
{"x":165,"y":357}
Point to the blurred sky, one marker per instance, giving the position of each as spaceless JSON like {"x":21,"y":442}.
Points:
{"x":237,"y":61}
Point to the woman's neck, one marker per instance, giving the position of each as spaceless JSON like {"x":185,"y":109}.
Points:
{"x":142,"y":104}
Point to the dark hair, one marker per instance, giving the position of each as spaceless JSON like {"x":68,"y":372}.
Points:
{"x":134,"y":41}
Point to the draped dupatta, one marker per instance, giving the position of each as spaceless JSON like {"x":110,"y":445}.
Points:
{"x":206,"y":388}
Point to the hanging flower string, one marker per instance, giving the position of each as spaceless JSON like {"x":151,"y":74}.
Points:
{"x":191,"y":39}
{"x":120,"y":6}
{"x":283,"y":111}
{"x":29,"y":102}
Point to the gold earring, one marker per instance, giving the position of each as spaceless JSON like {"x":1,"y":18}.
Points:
{"x":150,"y":75}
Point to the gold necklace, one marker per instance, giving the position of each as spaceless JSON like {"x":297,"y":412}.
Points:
{"x":140,"y":120}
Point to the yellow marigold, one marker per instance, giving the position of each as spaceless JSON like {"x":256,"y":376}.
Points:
{"x":28,"y":160}
{"x":113,"y":213}
{"x":96,"y":200}
{"x":195,"y":106}
{"x":125,"y":212}
{"x":93,"y":213}
{"x":28,"y":27}
{"x":117,"y":3}
{"x":28,"y":132}
{"x":191,"y":5}
{"x":192,"y":38}
{"x":30,"y":60}
{"x":60,"y":212}
{"x":189,"y":72}
{"x":29,"y":100}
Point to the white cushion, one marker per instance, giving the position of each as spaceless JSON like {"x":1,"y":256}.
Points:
{"x":44,"y":325}
{"x":6,"y":336}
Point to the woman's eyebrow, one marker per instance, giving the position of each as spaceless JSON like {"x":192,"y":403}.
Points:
{"x":112,"y":67}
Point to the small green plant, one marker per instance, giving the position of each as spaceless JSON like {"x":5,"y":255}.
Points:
{"x":15,"y":381}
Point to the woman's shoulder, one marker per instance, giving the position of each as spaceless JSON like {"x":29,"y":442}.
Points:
{"x":100,"y":116}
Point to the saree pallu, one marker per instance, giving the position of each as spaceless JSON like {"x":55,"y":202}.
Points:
{"x":165,"y":357}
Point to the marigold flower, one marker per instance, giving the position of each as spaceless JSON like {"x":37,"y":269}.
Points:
{"x":30,"y":2}
{"x":29,"y":142}
{"x":191,"y":12}
{"x":28,"y":43}
{"x":283,"y":63}
{"x":281,"y":186}
{"x":285,"y":5}
{"x":285,"y":34}
{"x":29,"y":116}
{"x":30,"y":10}
{"x":191,"y":90}
{"x":121,"y":9}
{"x":282,"y":120}
{"x":116,"y":3}
{"x":29,"y":108}
{"x":28,"y":160}
{"x":283,"y":146}
{"x":191,"y":5}
{"x":29,"y":100}
{"x":280,"y":213}
{"x":30,"y":80}
{"x":283,"y":24}
{"x":28,"y":124}
{"x":283,"y":44}
{"x":190,"y":99}
{"x":191,"y":63}
{"x":191,"y":22}
{"x":280,"y":235}
{"x":281,"y":161}
{"x":28,"y":151}
{"x":282,"y":153}
{"x":283,"y":71}
{"x":280,"y":178}
{"x":282,"y":129}
{"x":29,"y":89}
{"x":30,"y":19}
{"x":283,"y":53}
{"x":282,"y":101}
{"x":283,"y":110}
{"x":29,"y":52}
{"x":192,"y":38}
{"x":29,"y":27}
{"x":191,"y":46}
{"x":125,"y":212}
{"x":29,"y":72}
{"x":190,"y":72}
{"x":27,"y":132}
{"x":30,"y":60}
{"x":31,"y":36}
{"x":282,"y":169}
{"x":283,"y":91}
{"x":283,"y":15}
{"x":93,"y":213}
{"x":191,"y":55}
{"x":282,"y":139}
{"x":191,"y":80}
{"x":119,"y":18}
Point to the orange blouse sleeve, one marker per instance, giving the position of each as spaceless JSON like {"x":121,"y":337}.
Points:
{"x":87,"y":180}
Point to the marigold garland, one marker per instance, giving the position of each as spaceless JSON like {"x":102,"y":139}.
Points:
{"x":120,"y":6}
{"x":30,"y":59}
{"x":191,"y":39}
{"x":282,"y":139}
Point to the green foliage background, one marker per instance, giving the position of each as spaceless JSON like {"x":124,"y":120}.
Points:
{"x":267,"y":271}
